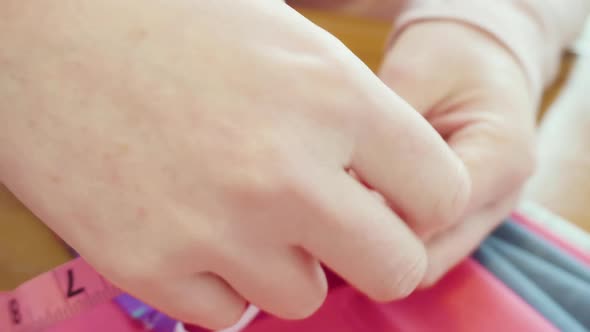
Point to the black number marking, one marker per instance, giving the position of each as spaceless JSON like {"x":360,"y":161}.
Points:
{"x":14,"y":309}
{"x":71,"y":291}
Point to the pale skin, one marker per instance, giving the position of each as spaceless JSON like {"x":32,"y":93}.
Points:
{"x":486,"y":114}
{"x":201,"y":166}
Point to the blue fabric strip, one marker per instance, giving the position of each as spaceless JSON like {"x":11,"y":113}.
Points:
{"x":516,"y":234}
{"x":566,"y":289}
{"x":526,"y":289}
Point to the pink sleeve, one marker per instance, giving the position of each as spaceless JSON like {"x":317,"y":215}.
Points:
{"x":536,"y":32}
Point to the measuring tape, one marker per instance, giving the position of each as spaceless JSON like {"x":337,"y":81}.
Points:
{"x":48,"y":301}
{"x":53,"y":297}
{"x":75,"y":291}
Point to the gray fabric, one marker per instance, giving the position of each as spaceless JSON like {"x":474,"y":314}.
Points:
{"x":526,"y":288}
{"x":518,"y":235}
{"x":566,"y":289}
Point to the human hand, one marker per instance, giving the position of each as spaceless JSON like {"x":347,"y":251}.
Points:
{"x":197,"y":153}
{"x":477,"y":97}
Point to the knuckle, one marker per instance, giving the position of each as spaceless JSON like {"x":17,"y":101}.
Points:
{"x":128,"y":272}
{"x":326,"y":67}
{"x":401,"y":284}
{"x":276,"y":184}
{"x":345,"y":83}
{"x":267,"y":177}
{"x":451,"y":207}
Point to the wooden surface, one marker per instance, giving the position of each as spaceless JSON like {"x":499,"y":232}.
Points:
{"x":29,"y":248}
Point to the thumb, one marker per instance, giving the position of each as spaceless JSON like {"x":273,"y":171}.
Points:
{"x":422,"y":78}
{"x":485,"y":132}
{"x":409,"y":75}
{"x":478,"y":102}
{"x":498,"y":156}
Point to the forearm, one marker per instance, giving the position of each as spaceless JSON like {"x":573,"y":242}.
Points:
{"x":535,"y":32}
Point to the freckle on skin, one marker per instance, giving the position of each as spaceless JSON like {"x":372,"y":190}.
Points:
{"x":119,"y":150}
{"x":141,"y":212}
{"x":138,"y":35}
{"x":32,"y":123}
{"x":55,"y":178}
{"x":123,"y":149}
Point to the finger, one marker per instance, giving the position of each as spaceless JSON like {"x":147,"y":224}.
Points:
{"x":286,"y":282}
{"x":358,"y":237}
{"x":490,"y":128}
{"x":246,"y":319}
{"x":402,"y":157}
{"x":412,"y":78}
{"x":449,"y":248}
{"x":204,"y":300}
{"x":499,"y":158}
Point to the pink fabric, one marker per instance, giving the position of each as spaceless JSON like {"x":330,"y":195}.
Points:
{"x":102,"y":318}
{"x":468,"y":299}
{"x":535,"y":32}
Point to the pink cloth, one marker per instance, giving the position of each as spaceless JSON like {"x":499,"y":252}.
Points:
{"x":467,"y":299}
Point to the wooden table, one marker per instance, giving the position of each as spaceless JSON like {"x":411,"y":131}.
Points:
{"x":29,"y":248}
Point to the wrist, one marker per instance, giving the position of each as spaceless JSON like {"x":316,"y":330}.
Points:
{"x":503,"y":21}
{"x":466,"y":48}
{"x":469,"y":64}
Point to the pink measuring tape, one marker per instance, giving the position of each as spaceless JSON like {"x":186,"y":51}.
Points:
{"x":74,"y":297}
{"x":55,"y":296}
